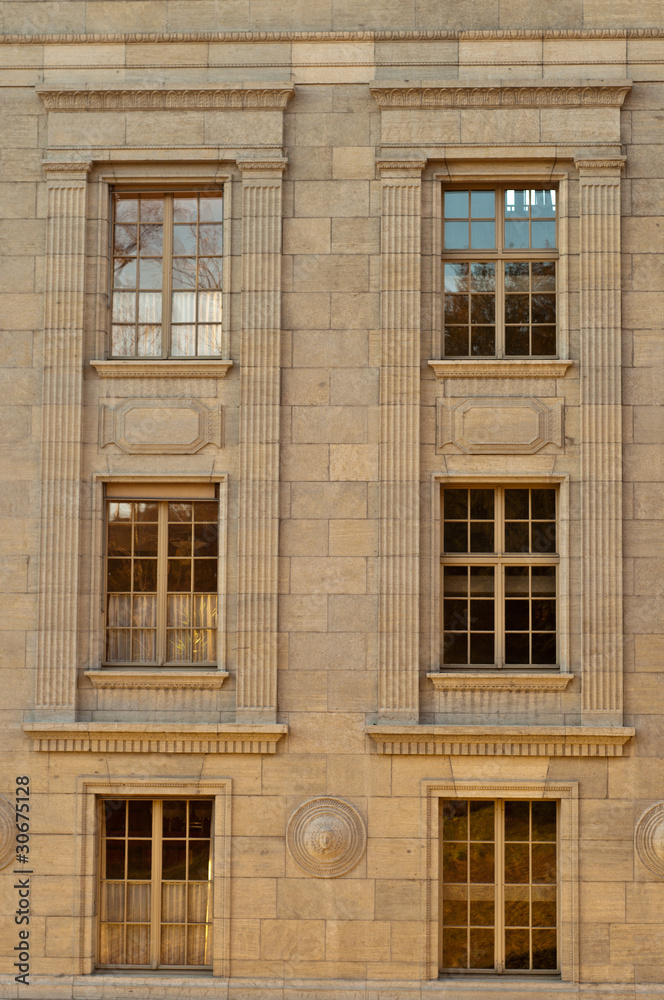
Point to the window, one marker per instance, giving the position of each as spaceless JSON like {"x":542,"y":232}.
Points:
{"x":161,"y":577}
{"x":167,"y":275}
{"x":499,"y":273}
{"x":499,"y":886}
{"x":499,"y":577}
{"x":155,"y":883}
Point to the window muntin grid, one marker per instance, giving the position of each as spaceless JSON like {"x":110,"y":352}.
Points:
{"x":499,"y":273}
{"x":167,"y":274}
{"x":498,"y":874}
{"x":155,"y":883}
{"x":499,"y":577}
{"x":161,"y":582}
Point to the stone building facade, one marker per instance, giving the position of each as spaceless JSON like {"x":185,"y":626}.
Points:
{"x":331,"y":512}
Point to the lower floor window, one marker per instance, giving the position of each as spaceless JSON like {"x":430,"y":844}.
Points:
{"x":499,"y":896}
{"x":155,"y":906}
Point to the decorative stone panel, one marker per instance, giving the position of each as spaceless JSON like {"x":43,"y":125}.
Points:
{"x":7,"y":832}
{"x":326,"y":837}
{"x":160,"y":427}
{"x":649,"y":839}
{"x":500,"y":426}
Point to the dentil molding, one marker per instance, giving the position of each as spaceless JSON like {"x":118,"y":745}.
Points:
{"x":151,"y":737}
{"x":470,"y":34}
{"x":225,"y":97}
{"x":501,"y":741}
{"x":453,"y":94}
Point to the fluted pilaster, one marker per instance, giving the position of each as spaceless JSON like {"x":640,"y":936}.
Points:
{"x":61,"y":440}
{"x":400,"y":441}
{"x":601,"y":440}
{"x":258,"y":532}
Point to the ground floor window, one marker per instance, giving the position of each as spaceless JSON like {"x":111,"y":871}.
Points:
{"x":499,"y":886}
{"x":155,"y":893}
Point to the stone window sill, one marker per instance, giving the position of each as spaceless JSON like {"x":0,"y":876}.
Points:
{"x":513,"y":368}
{"x":147,"y":368}
{"x":152,"y":737}
{"x":501,"y":741}
{"x":167,"y":680}
{"x":499,"y":680}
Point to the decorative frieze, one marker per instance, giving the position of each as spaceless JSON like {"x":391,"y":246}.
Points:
{"x":514,"y":368}
{"x":400,"y":441}
{"x":258,"y":502}
{"x":61,"y":438}
{"x":147,"y":368}
{"x":499,"y":680}
{"x":455,"y":94}
{"x":160,"y":427}
{"x":150,"y":737}
{"x":499,"y":426}
{"x":601,"y":439}
{"x":501,"y":741}
{"x":211,"y":97}
{"x":441,"y":34}
{"x":156,"y":680}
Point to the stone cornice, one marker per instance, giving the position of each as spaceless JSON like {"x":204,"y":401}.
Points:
{"x":499,"y":681}
{"x":150,"y":737}
{"x":604,"y":164}
{"x":512,"y":368}
{"x":250,"y":164}
{"x":66,"y":169}
{"x":164,"y":680}
{"x":501,"y":741}
{"x":174,"y":37}
{"x":222,"y":97}
{"x":512,"y":94}
{"x":161,"y":369}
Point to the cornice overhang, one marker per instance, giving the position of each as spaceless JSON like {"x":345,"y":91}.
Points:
{"x":501,"y":741}
{"x":429,"y":94}
{"x":209,"y":97}
{"x":152,"y":737}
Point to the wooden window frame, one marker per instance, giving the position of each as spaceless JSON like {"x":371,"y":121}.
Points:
{"x":499,"y":255}
{"x":507,"y":787}
{"x":499,"y":560}
{"x":156,"y":883}
{"x":499,"y":899}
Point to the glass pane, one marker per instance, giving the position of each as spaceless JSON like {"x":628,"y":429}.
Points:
{"x":138,"y":944}
{"x":140,"y":818}
{"x":455,"y":819}
{"x":211,"y":208}
{"x":516,"y":581}
{"x":149,"y":307}
{"x":178,"y":613}
{"x":517,"y":616}
{"x":545,"y":955}
{"x":179,"y":646}
{"x":144,"y":610}
{"x":481,"y":863}
{"x":125,"y":241}
{"x":517,"y":906}
{"x":517,"y":309}
{"x":205,"y":576}
{"x":113,"y":901}
{"x":482,"y":204}
{"x":119,"y":540}
{"x":210,"y":270}
{"x":516,"y":276}
{"x":455,"y":614}
{"x":544,"y":647}
{"x":209,"y":340}
{"x":455,"y":536}
{"x":543,"y":276}
{"x":455,"y":648}
{"x":543,"y":308}
{"x":179,"y":540}
{"x":184,"y":240}
{"x":544,"y":616}
{"x":483,"y":309}
{"x":115,"y":811}
{"x":543,"y":203}
{"x":481,"y":949}
{"x":111,"y":944}
{"x":481,"y":536}
{"x":148,"y":343}
{"x":482,"y":648}
{"x":210,"y":240}
{"x":481,"y":504}
{"x":517,"y":821}
{"x":174,"y":903}
{"x":482,"y":235}
{"x":152,"y":209}
{"x":184,"y":307}
{"x":115,"y":859}
{"x":544,"y":340}
{"x":124,"y":307}
{"x":456,"y":341}
{"x":483,"y":341}
{"x":145,"y":575}
{"x":198,"y":946}
{"x":456,"y":277}
{"x":122,"y":341}
{"x":456,"y":308}
{"x":151,"y":241}
{"x":174,"y":864}
{"x":483,"y":277}
{"x":516,"y":235}
{"x":200,"y":818}
{"x":138,"y":901}
{"x":544,"y":821}
{"x":517,"y":340}
{"x":517,"y":536}
{"x":118,"y":645}
{"x":482,"y":911}
{"x":198,"y":907}
{"x":184,"y":272}
{"x":119,"y":575}
{"x":126,"y":208}
{"x":179,"y":575}
{"x":173,"y":944}
{"x":456,"y":504}
{"x":150,"y":274}
{"x":455,"y":911}
{"x":145,"y":543}
{"x":544,"y":863}
{"x":517,"y":865}
{"x":124,"y":273}
{"x":456,"y":204}
{"x":183,"y":341}
{"x":185,"y":208}
{"x":199,"y":860}
{"x":209,"y":307}
{"x":481,"y":616}
{"x":517,"y":950}
{"x":119,"y":610}
{"x":455,"y":580}
{"x":481,"y":581}
{"x":456,"y":235}
{"x":180,"y":511}
{"x":543,"y":235}
{"x":517,"y":648}
{"x":174,"y":822}
{"x":455,"y":862}
{"x":139,"y":859}
{"x":455,"y":948}
{"x":517,"y":204}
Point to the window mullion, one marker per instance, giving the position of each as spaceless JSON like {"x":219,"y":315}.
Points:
{"x":500,"y":885}
{"x":499,"y":583}
{"x":167,"y":277}
{"x":155,"y":909}
{"x":500,"y":273}
{"x":162,"y":581}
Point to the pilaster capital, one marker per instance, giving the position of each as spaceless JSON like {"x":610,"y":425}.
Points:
{"x":401,"y":167}
{"x":592,"y":165}
{"x":255,"y":167}
{"x":66,"y":170}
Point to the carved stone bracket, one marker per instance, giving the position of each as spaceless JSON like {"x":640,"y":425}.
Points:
{"x":223,"y":97}
{"x":160,"y":427}
{"x":498,"y":426}
{"x":501,"y":741}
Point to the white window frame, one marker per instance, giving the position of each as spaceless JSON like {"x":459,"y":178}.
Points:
{"x":141,"y":784}
{"x":507,"y":788}
{"x":460,"y":173}
{"x":462,"y":479}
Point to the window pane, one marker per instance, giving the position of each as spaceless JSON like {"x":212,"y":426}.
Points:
{"x":545,"y":955}
{"x":482,"y":235}
{"x":151,"y":243}
{"x":139,"y":812}
{"x":148,"y":342}
{"x":210,"y":270}
{"x":149,"y":307}
{"x":150,"y":273}
{"x":126,"y":208}
{"x":543,"y":204}
{"x":517,"y":204}
{"x":184,"y":307}
{"x":211,"y":208}
{"x":481,"y":949}
{"x":183,"y":341}
{"x":125,"y":240}
{"x":456,"y":235}
{"x":456,"y":204}
{"x":544,"y":821}
{"x":455,"y":948}
{"x":184,"y":240}
{"x":517,"y":950}
{"x":209,"y":340}
{"x":115,"y":859}
{"x":152,"y":209}
{"x":543,"y":234}
{"x":209,"y":307}
{"x":210,"y":240}
{"x":185,"y":208}
{"x":184,"y":272}
{"x":456,"y":341}
{"x":456,"y":277}
{"x":174,"y":859}
{"x":516,"y":235}
{"x":124,"y":273}
{"x":482,"y":204}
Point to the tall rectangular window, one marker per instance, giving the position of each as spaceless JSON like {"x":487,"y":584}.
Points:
{"x":499,"y":272}
{"x":167,"y":275}
{"x":499,"y":886}
{"x":155,"y":907}
{"x":499,"y":577}
{"x":161,"y":581}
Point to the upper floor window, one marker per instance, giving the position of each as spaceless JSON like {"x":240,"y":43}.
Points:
{"x":499,"y":272}
{"x":167,"y":275}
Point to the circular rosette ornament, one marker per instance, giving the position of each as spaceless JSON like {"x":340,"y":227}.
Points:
{"x":326,"y":837}
{"x":649,"y":839}
{"x":7,"y":832}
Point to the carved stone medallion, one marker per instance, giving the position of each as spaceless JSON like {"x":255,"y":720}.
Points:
{"x":7,"y":832}
{"x":649,"y":839}
{"x":326,"y":837}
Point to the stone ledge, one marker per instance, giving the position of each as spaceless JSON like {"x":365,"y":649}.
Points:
{"x":501,"y":94}
{"x":499,"y":680}
{"x":217,"y":96}
{"x":161,"y":369}
{"x":167,"y":680}
{"x":514,"y":368}
{"x":150,"y":737}
{"x":501,"y":741}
